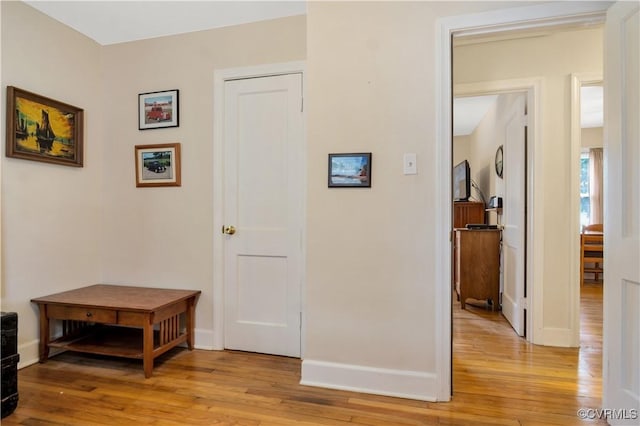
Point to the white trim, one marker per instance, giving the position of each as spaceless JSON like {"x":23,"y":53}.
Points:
{"x":499,"y":20}
{"x":532,"y":87}
{"x":498,"y":86}
{"x":219,"y":78}
{"x":559,"y":337}
{"x":527,"y":17}
{"x":29,"y":353}
{"x":577,"y":81}
{"x":203,"y":339}
{"x":380,"y":381}
{"x":443,"y":227}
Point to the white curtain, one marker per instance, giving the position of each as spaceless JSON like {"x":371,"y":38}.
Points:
{"x":595,"y":185}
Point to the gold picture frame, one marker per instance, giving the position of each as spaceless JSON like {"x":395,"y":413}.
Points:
{"x":158,"y":165}
{"x":43,"y":129}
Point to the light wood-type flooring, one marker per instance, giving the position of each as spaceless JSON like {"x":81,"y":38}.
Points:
{"x":498,"y":379}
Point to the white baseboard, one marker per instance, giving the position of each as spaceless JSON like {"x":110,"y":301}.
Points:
{"x":29,"y":352}
{"x":203,"y":339}
{"x":560,"y":337}
{"x":380,"y":381}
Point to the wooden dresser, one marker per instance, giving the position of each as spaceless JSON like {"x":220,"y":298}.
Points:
{"x":477,"y":265}
{"x":465,"y":212}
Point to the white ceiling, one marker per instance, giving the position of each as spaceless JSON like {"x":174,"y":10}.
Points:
{"x":591,"y":106}
{"x":118,"y":21}
{"x":468,"y":112}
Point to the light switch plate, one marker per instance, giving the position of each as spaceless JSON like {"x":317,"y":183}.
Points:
{"x":410,"y":166}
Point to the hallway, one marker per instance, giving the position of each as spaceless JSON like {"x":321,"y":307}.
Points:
{"x":496,"y":373}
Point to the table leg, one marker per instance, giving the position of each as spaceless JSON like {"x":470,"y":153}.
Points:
{"x":496,"y":301}
{"x":44,"y":333}
{"x":190,"y":322}
{"x":147,"y":347}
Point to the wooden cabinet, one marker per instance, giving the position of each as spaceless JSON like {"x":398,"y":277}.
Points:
{"x":477,"y":265}
{"x":9,"y":362}
{"x":465,"y":212}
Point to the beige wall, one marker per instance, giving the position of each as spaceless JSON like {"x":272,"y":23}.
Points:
{"x":591,"y":137}
{"x":164,"y":236}
{"x":370,"y":262}
{"x":51,"y":214}
{"x":370,"y":251}
{"x":481,"y":146}
{"x":1,"y":132}
{"x":461,"y":148}
{"x":65,"y":227}
{"x":371,"y":87}
{"x":553,"y":58}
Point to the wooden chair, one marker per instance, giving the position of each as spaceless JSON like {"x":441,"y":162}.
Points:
{"x":594,"y":227}
{"x":591,"y":251}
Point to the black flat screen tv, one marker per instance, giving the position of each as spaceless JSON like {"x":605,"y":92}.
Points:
{"x":461,"y":181}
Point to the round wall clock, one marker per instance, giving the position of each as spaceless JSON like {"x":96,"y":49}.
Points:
{"x":499,"y":161}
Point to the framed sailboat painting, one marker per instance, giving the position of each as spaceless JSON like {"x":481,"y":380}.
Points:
{"x":43,"y":129}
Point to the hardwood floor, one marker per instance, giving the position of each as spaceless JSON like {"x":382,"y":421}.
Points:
{"x":518,"y":380}
{"x":498,"y":379}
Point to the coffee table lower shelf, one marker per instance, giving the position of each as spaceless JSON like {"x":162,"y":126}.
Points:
{"x":123,"y":321}
{"x":125,"y":342}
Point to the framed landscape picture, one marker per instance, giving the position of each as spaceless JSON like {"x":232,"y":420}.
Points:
{"x":43,"y":129}
{"x":158,"y":165}
{"x":350,"y":170}
{"x":157,"y":110}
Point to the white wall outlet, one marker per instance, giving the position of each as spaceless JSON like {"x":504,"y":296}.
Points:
{"x":410,"y":164}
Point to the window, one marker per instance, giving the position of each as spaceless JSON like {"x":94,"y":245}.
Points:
{"x":585,"y":201}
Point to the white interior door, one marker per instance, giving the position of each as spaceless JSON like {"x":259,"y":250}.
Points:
{"x":263,"y":187}
{"x":621,"y":328}
{"x":513,"y":235}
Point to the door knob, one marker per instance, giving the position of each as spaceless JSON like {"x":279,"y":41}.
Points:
{"x":229,"y":229}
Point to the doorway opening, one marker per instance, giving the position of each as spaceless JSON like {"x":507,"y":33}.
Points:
{"x":587,"y":152}
{"x":587,"y":144}
{"x":537,"y":228}
{"x":495,"y":147}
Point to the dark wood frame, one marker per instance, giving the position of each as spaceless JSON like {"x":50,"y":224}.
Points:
{"x":15,"y":128}
{"x":159,"y":124}
{"x":364,"y":183}
{"x":499,"y":161}
{"x":174,"y":148}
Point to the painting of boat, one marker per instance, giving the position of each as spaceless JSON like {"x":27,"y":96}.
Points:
{"x":43,"y":129}
{"x":44,"y":133}
{"x":21,"y":126}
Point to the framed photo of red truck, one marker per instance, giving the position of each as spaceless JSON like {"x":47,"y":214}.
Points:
{"x":157,"y":110}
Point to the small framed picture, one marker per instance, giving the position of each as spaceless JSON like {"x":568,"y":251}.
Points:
{"x":158,"y":165}
{"x":43,"y":129}
{"x":158,"y":110}
{"x":350,"y":170}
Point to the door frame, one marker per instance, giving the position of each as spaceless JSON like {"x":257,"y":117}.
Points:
{"x":219,"y":78}
{"x":527,"y":17}
{"x":532,"y":89}
{"x":577,"y":81}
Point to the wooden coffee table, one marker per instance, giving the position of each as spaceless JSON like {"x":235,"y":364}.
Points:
{"x":123,"y":321}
